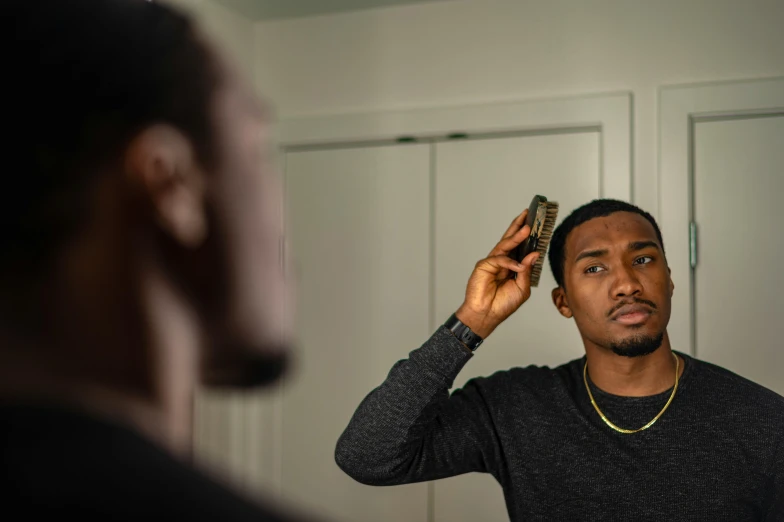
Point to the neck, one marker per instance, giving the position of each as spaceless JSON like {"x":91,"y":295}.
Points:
{"x":115,"y":340}
{"x":26,"y":383}
{"x":633,"y":376}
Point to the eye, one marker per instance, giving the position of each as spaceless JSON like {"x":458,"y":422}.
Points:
{"x":644,"y":260}
{"x":593,"y":269}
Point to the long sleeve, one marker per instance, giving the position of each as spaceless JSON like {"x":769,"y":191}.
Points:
{"x":410,"y":429}
{"x":776,"y":513}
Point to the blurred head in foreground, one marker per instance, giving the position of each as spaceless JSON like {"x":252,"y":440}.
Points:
{"x":141,"y":215}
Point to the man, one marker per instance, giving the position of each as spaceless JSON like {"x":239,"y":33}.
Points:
{"x":141,"y":235}
{"x":631,"y":431}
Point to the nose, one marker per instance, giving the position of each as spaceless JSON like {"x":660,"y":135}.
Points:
{"x":626,"y":283}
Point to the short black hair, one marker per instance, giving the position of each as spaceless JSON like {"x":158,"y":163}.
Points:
{"x":595,"y":209}
{"x":84,"y":77}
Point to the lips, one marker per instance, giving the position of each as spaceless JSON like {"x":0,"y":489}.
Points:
{"x":632,"y":314}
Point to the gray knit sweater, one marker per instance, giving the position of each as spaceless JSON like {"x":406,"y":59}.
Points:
{"x":717,"y":454}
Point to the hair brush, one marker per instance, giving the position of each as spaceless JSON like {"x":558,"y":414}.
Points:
{"x":541,"y":218}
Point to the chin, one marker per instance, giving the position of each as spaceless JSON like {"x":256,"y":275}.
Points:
{"x":638,"y":345}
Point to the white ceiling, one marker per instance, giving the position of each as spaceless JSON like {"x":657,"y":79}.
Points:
{"x":272,"y":9}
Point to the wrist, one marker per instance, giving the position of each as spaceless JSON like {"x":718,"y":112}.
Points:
{"x":478,"y":323}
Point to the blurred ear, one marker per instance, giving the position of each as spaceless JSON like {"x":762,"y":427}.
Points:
{"x":160,"y":161}
{"x":561,"y":302}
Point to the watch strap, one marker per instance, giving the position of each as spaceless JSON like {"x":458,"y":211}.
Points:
{"x":463,"y":333}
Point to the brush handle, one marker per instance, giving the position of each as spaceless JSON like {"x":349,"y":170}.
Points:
{"x":530,"y":243}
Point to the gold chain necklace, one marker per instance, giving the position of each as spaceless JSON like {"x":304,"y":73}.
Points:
{"x":621,"y":430}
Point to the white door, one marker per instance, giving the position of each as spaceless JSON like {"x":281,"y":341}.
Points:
{"x":481,"y":186}
{"x":359,"y":221}
{"x":721,"y":157}
{"x":739,"y":277}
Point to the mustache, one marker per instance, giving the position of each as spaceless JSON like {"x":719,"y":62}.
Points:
{"x":636,"y":300}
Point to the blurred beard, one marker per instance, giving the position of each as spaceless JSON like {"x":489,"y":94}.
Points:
{"x":638,"y":345}
{"x":245,"y":368}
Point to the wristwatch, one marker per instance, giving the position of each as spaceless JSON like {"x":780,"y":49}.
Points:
{"x":463,"y":333}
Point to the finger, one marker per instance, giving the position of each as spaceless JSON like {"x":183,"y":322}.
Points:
{"x":523,"y":279}
{"x":516,"y":224}
{"x":508,"y":244}
{"x":494,"y":265}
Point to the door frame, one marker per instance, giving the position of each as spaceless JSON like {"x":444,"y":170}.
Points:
{"x":681,"y":108}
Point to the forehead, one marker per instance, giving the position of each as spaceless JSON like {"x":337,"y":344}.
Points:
{"x":616,"y":230}
{"x":237,"y":110}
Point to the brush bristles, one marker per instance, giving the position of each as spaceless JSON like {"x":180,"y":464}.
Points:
{"x":546,"y":234}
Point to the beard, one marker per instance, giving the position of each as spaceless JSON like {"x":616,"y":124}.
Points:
{"x":638,"y":345}
{"x":246,"y":368}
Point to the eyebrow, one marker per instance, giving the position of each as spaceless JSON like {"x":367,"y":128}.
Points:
{"x":634,"y":246}
{"x":258,"y":107}
{"x":265,"y":109}
{"x":591,"y":254}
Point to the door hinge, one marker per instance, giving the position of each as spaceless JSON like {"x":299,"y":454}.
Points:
{"x":693,"y":244}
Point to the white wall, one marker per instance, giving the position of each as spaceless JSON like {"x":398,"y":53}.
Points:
{"x":474,"y":51}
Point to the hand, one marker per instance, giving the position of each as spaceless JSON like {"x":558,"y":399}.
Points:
{"x":491,"y":295}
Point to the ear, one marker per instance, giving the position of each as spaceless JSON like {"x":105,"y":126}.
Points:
{"x":561,"y":302}
{"x":160,"y":161}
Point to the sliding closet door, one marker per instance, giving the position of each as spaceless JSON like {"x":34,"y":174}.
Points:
{"x":480,"y":186}
{"x":359,"y":221}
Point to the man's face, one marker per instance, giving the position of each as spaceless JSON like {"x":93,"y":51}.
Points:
{"x":617,"y":284}
{"x":249,"y":319}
